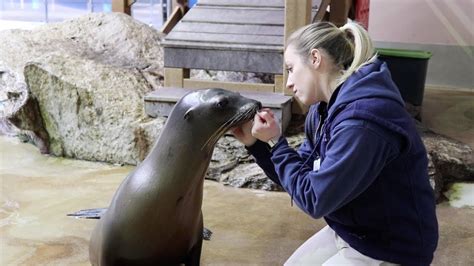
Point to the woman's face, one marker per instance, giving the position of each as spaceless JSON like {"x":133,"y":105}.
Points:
{"x":301,"y":77}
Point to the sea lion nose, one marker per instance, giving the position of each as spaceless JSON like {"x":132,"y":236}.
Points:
{"x":259,"y":104}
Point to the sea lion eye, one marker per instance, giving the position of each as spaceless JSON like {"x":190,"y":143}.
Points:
{"x":222,"y":102}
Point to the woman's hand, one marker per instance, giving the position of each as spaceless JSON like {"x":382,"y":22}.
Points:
{"x":266,"y":126}
{"x":244,"y":134}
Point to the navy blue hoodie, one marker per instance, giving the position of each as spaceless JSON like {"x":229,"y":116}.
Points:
{"x":372,"y":185}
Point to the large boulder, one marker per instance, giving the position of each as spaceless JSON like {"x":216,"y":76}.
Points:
{"x":450,"y":161}
{"x":76,"y":88}
{"x":108,"y":38}
{"x":91,"y":117}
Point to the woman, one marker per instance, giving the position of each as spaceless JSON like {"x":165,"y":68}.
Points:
{"x":362,"y":166}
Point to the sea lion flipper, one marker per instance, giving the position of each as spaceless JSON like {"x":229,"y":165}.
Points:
{"x":98,"y":212}
{"x":89,"y":213}
{"x":206,"y":234}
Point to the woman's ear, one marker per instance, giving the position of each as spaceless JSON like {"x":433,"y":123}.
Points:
{"x":315,"y":58}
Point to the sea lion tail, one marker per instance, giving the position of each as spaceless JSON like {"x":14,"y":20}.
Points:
{"x":98,"y":212}
{"x":88,"y":213}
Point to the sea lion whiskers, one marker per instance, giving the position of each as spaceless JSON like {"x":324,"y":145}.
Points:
{"x":234,"y":120}
{"x":246,"y":115}
{"x":213,"y":138}
{"x":217,"y":134}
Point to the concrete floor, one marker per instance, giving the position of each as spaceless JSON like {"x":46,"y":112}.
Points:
{"x":250,"y":227}
{"x":450,"y":113}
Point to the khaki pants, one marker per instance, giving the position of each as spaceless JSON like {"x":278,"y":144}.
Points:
{"x":327,"y":248}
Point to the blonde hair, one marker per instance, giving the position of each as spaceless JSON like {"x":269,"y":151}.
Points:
{"x":349,"y":46}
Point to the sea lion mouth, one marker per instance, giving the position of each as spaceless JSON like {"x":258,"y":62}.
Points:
{"x":237,"y":120}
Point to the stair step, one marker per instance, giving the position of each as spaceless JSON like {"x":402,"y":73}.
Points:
{"x":160,"y":102}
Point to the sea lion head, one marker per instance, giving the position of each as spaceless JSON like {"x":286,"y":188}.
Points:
{"x":213,"y":112}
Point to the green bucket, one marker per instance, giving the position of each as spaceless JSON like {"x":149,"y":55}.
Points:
{"x":408,"y":69}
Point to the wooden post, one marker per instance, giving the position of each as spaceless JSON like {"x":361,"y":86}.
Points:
{"x":123,"y":6}
{"x":322,"y":14}
{"x":297,"y":14}
{"x":339,"y":12}
{"x":174,"y":76}
{"x":179,"y":7}
{"x":182,"y":4}
{"x":279,"y":84}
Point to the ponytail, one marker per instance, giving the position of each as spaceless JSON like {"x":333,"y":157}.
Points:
{"x":363,"y":49}
{"x":349,"y":46}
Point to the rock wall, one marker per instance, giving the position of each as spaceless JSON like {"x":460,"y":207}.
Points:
{"x":85,"y":79}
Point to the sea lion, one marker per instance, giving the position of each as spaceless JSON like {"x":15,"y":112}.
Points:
{"x":155,"y":215}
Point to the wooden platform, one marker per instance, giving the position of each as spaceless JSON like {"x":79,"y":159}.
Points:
{"x":232,"y":35}
{"x":228,"y":35}
{"x":160,"y":102}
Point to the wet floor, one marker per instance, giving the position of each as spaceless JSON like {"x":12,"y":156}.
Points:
{"x":250,"y":227}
